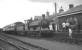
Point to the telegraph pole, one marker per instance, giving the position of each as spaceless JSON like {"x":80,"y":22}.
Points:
{"x":56,"y":25}
{"x":55,"y":8}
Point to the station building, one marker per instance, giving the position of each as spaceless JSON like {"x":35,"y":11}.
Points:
{"x":73,"y":15}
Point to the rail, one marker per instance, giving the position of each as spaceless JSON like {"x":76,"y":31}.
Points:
{"x":9,"y":44}
{"x":21,"y":44}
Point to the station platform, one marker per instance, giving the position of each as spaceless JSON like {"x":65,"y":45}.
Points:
{"x":50,"y":45}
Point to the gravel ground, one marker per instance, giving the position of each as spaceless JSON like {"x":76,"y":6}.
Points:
{"x":51,"y":45}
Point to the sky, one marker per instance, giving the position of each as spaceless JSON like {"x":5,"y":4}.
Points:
{"x":19,"y":10}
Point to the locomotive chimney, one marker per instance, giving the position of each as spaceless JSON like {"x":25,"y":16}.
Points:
{"x":43,"y":16}
{"x":47,"y":14}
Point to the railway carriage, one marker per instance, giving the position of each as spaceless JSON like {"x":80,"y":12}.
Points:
{"x":15,"y":28}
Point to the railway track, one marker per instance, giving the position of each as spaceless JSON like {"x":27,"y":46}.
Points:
{"x":20,"y":44}
{"x":4,"y":45}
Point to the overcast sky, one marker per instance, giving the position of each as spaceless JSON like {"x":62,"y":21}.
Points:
{"x":20,"y":10}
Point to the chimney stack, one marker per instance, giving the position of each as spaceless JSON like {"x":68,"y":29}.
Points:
{"x":55,"y":8}
{"x":71,"y":6}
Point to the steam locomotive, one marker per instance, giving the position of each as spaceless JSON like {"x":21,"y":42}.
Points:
{"x":32,"y":28}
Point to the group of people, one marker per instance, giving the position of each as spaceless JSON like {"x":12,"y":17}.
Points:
{"x":67,"y":27}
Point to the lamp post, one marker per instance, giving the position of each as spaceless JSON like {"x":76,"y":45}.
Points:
{"x":26,"y":25}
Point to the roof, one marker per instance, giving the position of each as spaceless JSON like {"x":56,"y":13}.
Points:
{"x":18,"y":22}
{"x":13,"y":24}
{"x":75,"y":10}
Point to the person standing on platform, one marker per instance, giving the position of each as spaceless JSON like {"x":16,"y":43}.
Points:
{"x":70,"y":33}
{"x":64,"y":26}
{"x":50,"y":27}
{"x":68,"y":26}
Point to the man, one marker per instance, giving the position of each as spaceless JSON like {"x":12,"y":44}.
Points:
{"x":70,"y":33}
{"x":50,"y":27}
{"x":68,"y":26}
{"x":64,"y":26}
